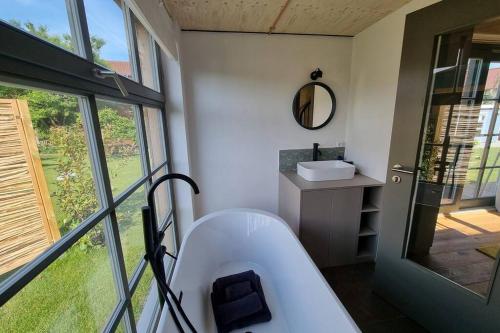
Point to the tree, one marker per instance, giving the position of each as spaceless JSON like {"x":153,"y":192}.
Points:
{"x":56,"y":120}
{"x":50,"y":109}
{"x":97,"y":44}
{"x":46,"y":109}
{"x":65,"y":40}
{"x":75,"y":186}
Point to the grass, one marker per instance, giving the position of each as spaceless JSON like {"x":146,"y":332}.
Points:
{"x":490,"y":175}
{"x":76,"y":293}
{"x":123,"y":172}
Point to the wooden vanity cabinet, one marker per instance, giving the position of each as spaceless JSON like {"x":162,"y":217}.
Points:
{"x":336,"y":222}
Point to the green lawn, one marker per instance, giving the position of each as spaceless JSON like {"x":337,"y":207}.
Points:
{"x":490,"y":175}
{"x":123,"y":172}
{"x":76,"y":293}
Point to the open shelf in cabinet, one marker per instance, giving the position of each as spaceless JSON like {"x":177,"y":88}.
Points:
{"x":372,"y":197}
{"x":367,"y":247}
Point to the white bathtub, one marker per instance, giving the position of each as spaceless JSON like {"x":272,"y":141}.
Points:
{"x":236,"y":240}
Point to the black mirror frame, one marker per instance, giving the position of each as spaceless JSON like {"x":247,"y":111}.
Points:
{"x":332,"y":112}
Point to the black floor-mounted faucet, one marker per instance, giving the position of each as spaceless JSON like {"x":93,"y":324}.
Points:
{"x":316,"y":151}
{"x":155,"y":251}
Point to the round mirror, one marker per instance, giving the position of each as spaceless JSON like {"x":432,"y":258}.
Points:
{"x":314,"y":105}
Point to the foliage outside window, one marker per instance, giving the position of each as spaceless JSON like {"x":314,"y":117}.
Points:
{"x":77,"y":292}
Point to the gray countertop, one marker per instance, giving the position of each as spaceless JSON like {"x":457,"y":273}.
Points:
{"x":304,"y":185}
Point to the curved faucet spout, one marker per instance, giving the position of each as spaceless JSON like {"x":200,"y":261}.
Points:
{"x":169,"y":176}
{"x":151,"y":199}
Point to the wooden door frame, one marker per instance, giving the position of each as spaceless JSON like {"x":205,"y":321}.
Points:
{"x":437,"y":303}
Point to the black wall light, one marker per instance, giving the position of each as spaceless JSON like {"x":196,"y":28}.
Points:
{"x":316,"y":74}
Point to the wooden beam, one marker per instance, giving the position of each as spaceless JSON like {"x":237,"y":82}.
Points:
{"x":276,"y":20}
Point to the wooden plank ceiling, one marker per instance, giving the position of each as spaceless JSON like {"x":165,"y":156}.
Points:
{"x":328,"y":17}
{"x":487,"y":32}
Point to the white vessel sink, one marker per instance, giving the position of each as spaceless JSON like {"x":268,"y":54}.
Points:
{"x":325,"y":170}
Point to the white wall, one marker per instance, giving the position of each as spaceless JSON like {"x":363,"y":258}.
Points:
{"x":374,"y":78}
{"x":178,"y":142}
{"x":236,"y":109}
{"x":238,"y":91}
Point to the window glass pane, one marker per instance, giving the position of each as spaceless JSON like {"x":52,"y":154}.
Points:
{"x":119,"y":135}
{"x":472,"y":76}
{"x":46,"y":183}
{"x":471,"y":182}
{"x":106,"y":24}
{"x":143,"y":291}
{"x":76,"y":293}
{"x":494,"y":152}
{"x":121,"y":326}
{"x":485,"y":116}
{"x":496,"y":129}
{"x":489,"y":183}
{"x":492,"y":85}
{"x":477,"y":152}
{"x":162,"y":197}
{"x":47,"y":20}
{"x":155,"y":137}
{"x":170,"y":244}
{"x":129,"y":218}
{"x":466,"y":121}
{"x":146,"y":293}
{"x":146,"y":56}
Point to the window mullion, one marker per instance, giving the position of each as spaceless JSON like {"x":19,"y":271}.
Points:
{"x":115,"y":318}
{"x":166,"y":146}
{"x":137,"y":276}
{"x":154,"y":61}
{"x":119,"y":271}
{"x":143,"y":142}
{"x":79,"y":28}
{"x":169,"y":169}
{"x":159,"y":69}
{"x":136,"y":61}
{"x":132,"y":42}
{"x":111,"y":231}
{"x":161,"y":82}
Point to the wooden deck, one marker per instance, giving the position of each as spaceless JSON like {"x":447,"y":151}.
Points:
{"x":453,"y":253}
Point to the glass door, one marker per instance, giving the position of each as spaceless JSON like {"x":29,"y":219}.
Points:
{"x":437,"y":260}
{"x":455,"y":230}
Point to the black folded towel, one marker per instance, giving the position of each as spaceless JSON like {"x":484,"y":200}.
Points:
{"x":237,"y":290}
{"x":240,"y":308}
{"x":238,"y":301}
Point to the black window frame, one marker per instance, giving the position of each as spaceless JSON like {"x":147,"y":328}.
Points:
{"x":26,"y":60}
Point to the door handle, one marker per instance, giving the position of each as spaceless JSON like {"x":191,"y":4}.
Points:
{"x":403,"y":169}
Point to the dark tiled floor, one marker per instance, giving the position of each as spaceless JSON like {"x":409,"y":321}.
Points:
{"x":354,"y":287}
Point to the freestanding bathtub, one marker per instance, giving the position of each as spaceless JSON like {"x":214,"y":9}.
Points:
{"x":236,"y":240}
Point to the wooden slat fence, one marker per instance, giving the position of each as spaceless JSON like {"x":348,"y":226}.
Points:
{"x":27,"y":221}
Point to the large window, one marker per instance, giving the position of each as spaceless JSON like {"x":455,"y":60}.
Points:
{"x":78,"y":153}
{"x":482,"y":176}
{"x":467,"y":133}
